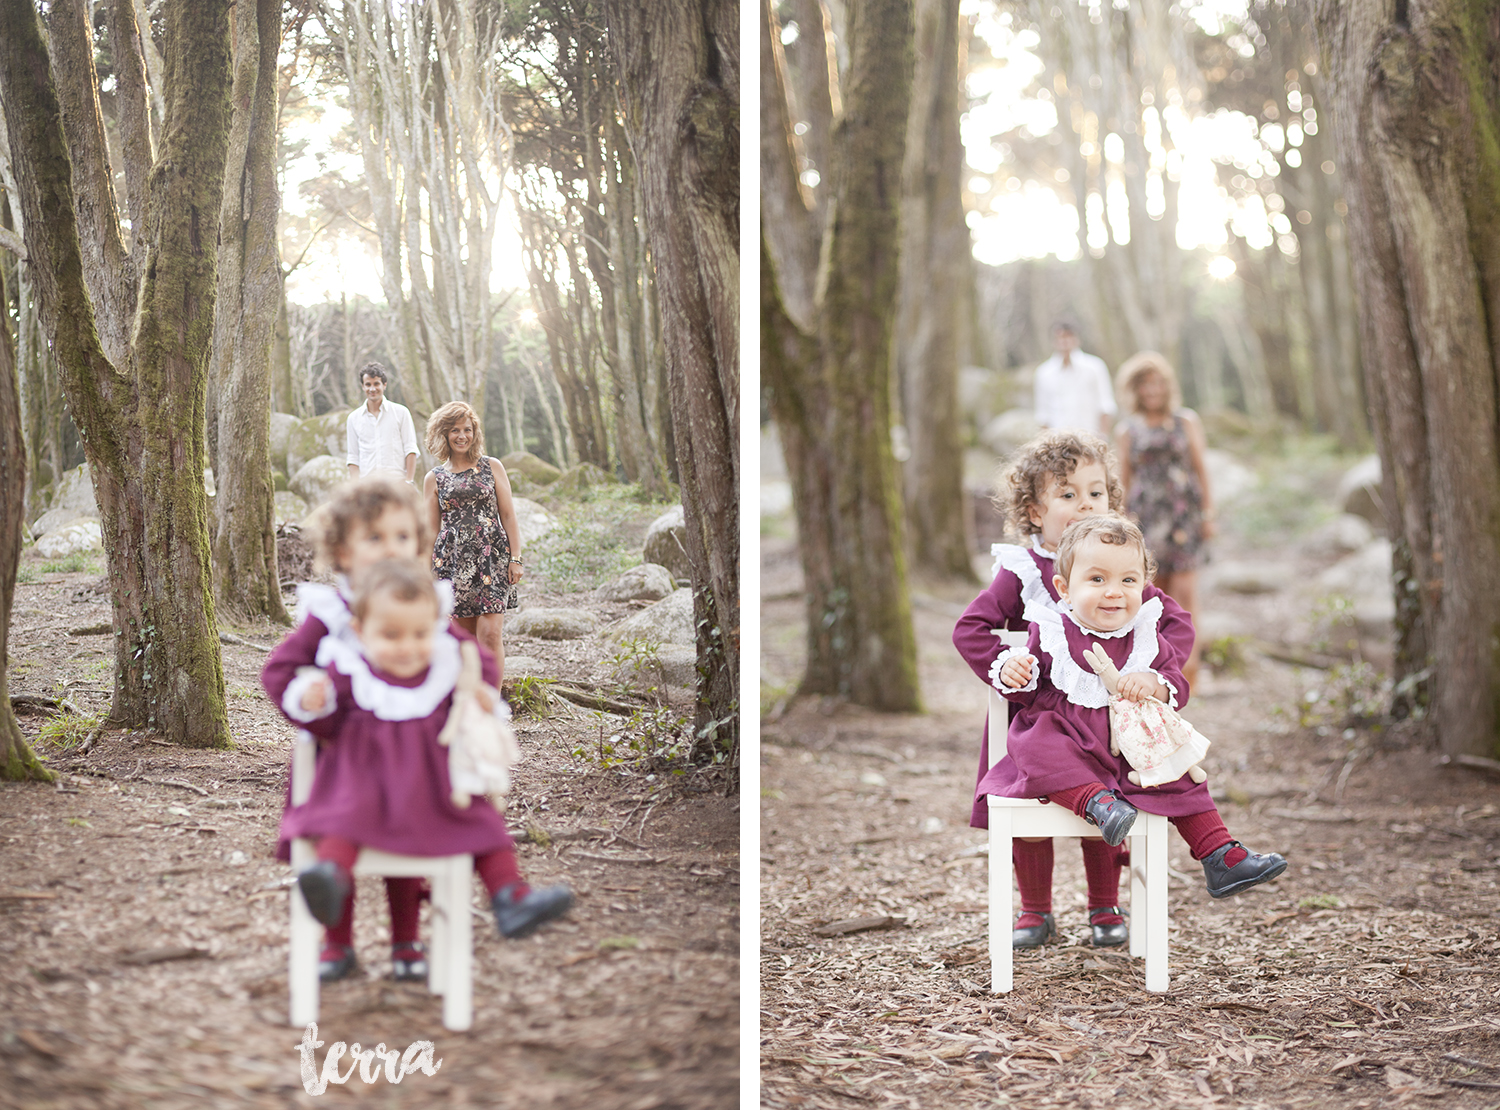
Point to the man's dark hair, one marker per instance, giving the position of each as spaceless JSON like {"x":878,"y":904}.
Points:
{"x":373,"y":370}
{"x":1066,"y":325}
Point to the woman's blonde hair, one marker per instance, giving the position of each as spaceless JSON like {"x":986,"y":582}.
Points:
{"x":1050,"y":457}
{"x":1137,"y":366}
{"x":360,"y":502}
{"x":1110,"y":528}
{"x":444,"y":421}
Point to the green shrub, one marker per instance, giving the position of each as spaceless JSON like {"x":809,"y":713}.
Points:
{"x":68,"y":730}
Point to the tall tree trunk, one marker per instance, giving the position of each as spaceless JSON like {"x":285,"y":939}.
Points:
{"x":246,"y":581}
{"x":132,"y":332}
{"x":830,"y":380}
{"x":1417,"y":122}
{"x":17,"y":760}
{"x":936,"y":266}
{"x":678,"y":62}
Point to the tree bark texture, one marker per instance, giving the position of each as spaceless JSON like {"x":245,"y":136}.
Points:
{"x":17,"y":760}
{"x":831,"y":382}
{"x":246,"y":581}
{"x":936,"y":269}
{"x":132,"y":335}
{"x":1417,"y":121}
{"x":678,"y":62}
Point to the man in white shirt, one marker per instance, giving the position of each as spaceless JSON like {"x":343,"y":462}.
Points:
{"x":382,"y":439}
{"x":1073,"y":390}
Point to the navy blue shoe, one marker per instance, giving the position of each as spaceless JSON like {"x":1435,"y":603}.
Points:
{"x":1113,"y":815}
{"x":337,"y":962}
{"x":325,"y":886}
{"x":519,"y":917}
{"x":1253,"y":870}
{"x":1108,"y":936}
{"x":1033,"y":936}
{"x":409,"y":962}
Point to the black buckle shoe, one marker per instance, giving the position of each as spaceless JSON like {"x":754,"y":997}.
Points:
{"x":1113,"y":815}
{"x":1033,"y":936}
{"x":1108,"y":936}
{"x":1250,"y":871}
{"x":522,"y":917}
{"x":413,"y":970}
{"x":331,"y":971}
{"x":325,"y":887}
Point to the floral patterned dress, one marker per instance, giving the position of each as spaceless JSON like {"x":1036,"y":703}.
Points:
{"x":472,"y":549}
{"x":1164,"y":494}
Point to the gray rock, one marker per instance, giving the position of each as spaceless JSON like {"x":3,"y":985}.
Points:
{"x":775,"y":497}
{"x":535,"y":469}
{"x":1009,"y":430}
{"x":1343,"y":534}
{"x":519,"y":666}
{"x":578,"y":480}
{"x":1249,"y":578}
{"x":75,"y":491}
{"x":552,"y":624}
{"x":282,"y":424}
{"x":290,"y":509}
{"x":1227,"y":476}
{"x":1366,"y":572}
{"x":319,"y":477}
{"x":533,"y":520}
{"x":666,"y":543}
{"x":1375,"y":614}
{"x":53,"y":519}
{"x":80,"y":536}
{"x":1359,"y":491}
{"x":648,"y":581}
{"x":672,"y":665}
{"x":315,"y":436}
{"x":669,"y":621}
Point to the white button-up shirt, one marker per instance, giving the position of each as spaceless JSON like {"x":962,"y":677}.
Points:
{"x":380,"y":442}
{"x":1074,"y":397}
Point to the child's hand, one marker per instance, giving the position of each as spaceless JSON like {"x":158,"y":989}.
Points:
{"x":487,"y":696}
{"x":1140,"y":685}
{"x":315,"y":697}
{"x":1016,"y":671}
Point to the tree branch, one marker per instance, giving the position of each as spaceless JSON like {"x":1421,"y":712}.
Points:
{"x":12,"y":242}
{"x":135,"y":114}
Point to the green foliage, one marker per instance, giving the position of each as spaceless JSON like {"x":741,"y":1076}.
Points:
{"x":1320,"y":902}
{"x":68,"y":730}
{"x":26,"y":572}
{"x":637,"y":665}
{"x":1333,"y":618}
{"x":1351,"y":695}
{"x":77,"y":563}
{"x":651,"y":738}
{"x":592,"y":542}
{"x":1226,"y":655}
{"x":531,"y":696}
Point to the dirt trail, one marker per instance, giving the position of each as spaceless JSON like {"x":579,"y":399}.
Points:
{"x":1366,"y":976}
{"x":631,"y":1002}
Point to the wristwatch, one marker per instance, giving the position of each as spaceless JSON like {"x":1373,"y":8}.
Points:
{"x":518,"y":562}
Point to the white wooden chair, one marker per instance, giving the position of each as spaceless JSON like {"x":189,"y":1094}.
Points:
{"x":450,"y":957}
{"x":1013,"y":817}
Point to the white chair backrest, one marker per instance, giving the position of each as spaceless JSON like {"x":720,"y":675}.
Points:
{"x":999,"y":721}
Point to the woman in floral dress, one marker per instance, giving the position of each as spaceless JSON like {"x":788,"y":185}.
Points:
{"x":1161,"y":447}
{"x":478,"y":545}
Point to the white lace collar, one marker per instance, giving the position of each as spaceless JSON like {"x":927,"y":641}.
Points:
{"x":389,"y":702}
{"x":1018,"y":561}
{"x":1036,"y":545}
{"x":1078,"y":683}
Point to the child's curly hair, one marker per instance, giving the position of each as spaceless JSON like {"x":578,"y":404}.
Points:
{"x":360,"y":502}
{"x":401,"y":579}
{"x":1111,"y":528}
{"x":1050,"y":457}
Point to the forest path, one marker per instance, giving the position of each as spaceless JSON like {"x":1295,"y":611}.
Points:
{"x":143,"y":918}
{"x":1365,"y":976}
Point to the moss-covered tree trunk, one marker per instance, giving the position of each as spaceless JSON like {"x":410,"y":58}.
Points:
{"x":17,"y":760}
{"x":132,"y":328}
{"x":830,"y":377}
{"x":936,"y":273}
{"x":678,"y":62}
{"x":249,"y":298}
{"x":1417,"y":123}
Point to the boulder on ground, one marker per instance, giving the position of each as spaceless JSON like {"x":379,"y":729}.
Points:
{"x":75,"y":491}
{"x":578,"y":480}
{"x":649,"y":581}
{"x":1343,"y":534}
{"x":1359,"y":491}
{"x":1363,"y":574}
{"x":1009,"y":430}
{"x":282,"y":424}
{"x":533,"y":520}
{"x":317,"y":435}
{"x":319,"y":477}
{"x":535,"y":469}
{"x":54,"y":519}
{"x":551,"y":624}
{"x":666,"y":543}
{"x":1249,"y":577}
{"x":669,"y":621}
{"x":290,"y":509}
{"x":669,"y":665}
{"x":80,"y":536}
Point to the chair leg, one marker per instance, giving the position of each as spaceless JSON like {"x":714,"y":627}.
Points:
{"x":1156,"y":901}
{"x":437,"y":948}
{"x":1002,"y":904}
{"x":302,"y":950}
{"x":1140,"y":912}
{"x":458,"y":996}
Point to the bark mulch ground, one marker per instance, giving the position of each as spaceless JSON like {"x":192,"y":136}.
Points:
{"x":143,"y":919}
{"x":1365,"y":977}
